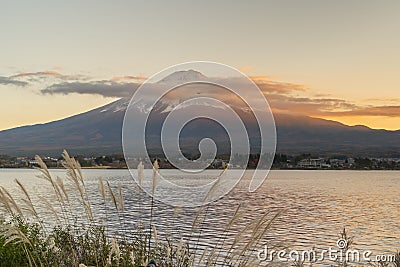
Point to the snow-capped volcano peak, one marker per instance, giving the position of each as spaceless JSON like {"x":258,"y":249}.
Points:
{"x":117,"y":106}
{"x":184,"y":76}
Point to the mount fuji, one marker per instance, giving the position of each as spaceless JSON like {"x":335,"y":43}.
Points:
{"x":99,"y":131}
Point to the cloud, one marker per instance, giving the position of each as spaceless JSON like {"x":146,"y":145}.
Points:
{"x":384,"y":111}
{"x":246,"y":68}
{"x":307,"y":106}
{"x":128,"y":77}
{"x":45,"y":74}
{"x":11,"y":81}
{"x":39,"y":73}
{"x":29,"y":79}
{"x":383,"y":101}
{"x":283,"y":97}
{"x":268,"y":86}
{"x":103,"y":88}
{"x":328,"y":107}
{"x":121,"y":86}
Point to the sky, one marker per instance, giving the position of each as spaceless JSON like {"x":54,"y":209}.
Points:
{"x":329,"y":59}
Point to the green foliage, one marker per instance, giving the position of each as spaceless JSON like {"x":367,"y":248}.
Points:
{"x":64,"y":247}
{"x":14,"y":253}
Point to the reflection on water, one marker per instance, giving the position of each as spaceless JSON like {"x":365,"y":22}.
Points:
{"x":317,"y":205}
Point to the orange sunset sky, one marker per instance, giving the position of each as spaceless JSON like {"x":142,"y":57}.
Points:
{"x":338,"y":60}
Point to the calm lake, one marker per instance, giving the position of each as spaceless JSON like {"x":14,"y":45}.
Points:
{"x":317,"y":205}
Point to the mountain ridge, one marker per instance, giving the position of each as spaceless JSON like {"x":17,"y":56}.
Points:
{"x":99,"y":131}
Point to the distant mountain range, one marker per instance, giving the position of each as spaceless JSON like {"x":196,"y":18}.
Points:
{"x":99,"y":131}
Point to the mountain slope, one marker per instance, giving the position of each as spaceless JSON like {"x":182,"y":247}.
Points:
{"x":306,"y":134}
{"x":99,"y":131}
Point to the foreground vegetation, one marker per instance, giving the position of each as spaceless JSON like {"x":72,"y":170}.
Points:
{"x":27,"y":244}
{"x":76,"y":237}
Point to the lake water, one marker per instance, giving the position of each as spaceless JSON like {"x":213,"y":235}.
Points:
{"x":317,"y":205}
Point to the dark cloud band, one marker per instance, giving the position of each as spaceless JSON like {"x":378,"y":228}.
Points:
{"x":103,"y":88}
{"x":11,"y":81}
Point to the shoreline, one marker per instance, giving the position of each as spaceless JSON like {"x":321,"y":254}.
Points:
{"x":249,"y":169}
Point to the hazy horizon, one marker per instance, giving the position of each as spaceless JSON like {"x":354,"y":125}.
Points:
{"x":334,"y":60}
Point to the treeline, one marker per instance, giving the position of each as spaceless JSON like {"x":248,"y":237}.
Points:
{"x":115,"y":160}
{"x":285,"y":161}
{"x":280,"y":161}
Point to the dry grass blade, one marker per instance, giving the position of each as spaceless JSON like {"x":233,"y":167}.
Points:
{"x":196,"y":220}
{"x":42,"y":167}
{"x":113,"y":198}
{"x":74,"y":174}
{"x":47,"y":176}
{"x":102,"y":190}
{"x":9,"y":201}
{"x":121,"y":198}
{"x":260,"y":230}
{"x":5,"y":202}
{"x":155,"y":176}
{"x":155,"y":235}
{"x":27,"y":200}
{"x":114,"y":251}
{"x":12,"y":234}
{"x":73,"y":167}
{"x":214,"y":187}
{"x":61,"y":185}
{"x":50,"y":207}
{"x":140,"y":170}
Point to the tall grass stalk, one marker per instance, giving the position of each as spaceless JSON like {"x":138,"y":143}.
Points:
{"x":153,"y":190}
